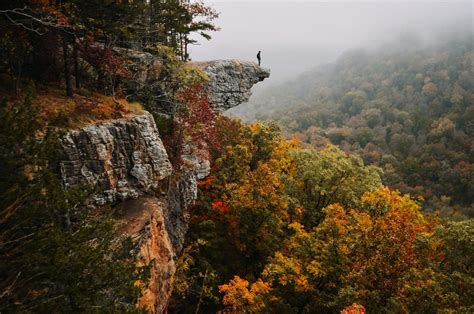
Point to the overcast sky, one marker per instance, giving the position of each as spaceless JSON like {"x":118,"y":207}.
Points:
{"x":295,"y":36}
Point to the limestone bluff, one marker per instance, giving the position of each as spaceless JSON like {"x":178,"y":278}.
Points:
{"x":126,"y":159}
{"x":230,"y":81}
{"x":123,"y":157}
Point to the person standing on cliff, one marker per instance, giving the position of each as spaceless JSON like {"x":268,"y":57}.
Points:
{"x":259,"y":58}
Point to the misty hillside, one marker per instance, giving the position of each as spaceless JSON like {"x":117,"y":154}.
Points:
{"x":409,"y":111}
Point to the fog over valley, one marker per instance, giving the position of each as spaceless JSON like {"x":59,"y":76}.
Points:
{"x":295,"y":36}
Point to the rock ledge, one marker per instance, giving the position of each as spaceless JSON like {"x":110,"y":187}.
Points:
{"x":230,"y":81}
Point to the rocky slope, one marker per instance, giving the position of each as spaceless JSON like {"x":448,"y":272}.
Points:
{"x":144,"y":220}
{"x":125,"y":158}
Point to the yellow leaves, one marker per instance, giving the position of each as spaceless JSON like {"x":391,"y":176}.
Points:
{"x":261,"y":188}
{"x":336,"y":216}
{"x":260,"y":287}
{"x":239,"y":297}
{"x":363,"y":220}
{"x":297,"y":227}
{"x":253,"y":169}
{"x":255,"y":128}
{"x":384,"y":200}
{"x":281,"y":158}
{"x":299,"y":213}
{"x":370,"y":241}
{"x":302,"y":284}
{"x":315,"y":268}
{"x":344,"y":249}
{"x":236,"y":293}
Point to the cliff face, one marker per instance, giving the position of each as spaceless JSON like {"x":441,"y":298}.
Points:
{"x":230,"y":81}
{"x":144,"y":220}
{"x":126,"y":159}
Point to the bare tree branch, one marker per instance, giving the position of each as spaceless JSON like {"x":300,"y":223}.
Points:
{"x":25,"y":18}
{"x":9,"y":289}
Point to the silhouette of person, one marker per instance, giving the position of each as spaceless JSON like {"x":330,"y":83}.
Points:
{"x":259,"y":58}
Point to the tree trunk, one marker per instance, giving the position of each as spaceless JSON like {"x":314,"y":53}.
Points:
{"x":186,"y":54}
{"x":67,"y":71}
{"x":18,"y":78}
{"x":76,"y":66}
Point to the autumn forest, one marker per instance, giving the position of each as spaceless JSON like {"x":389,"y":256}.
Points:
{"x":349,"y":189}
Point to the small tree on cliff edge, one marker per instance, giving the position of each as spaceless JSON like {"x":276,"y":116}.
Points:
{"x":195,"y":125}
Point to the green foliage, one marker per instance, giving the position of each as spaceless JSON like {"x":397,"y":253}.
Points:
{"x":195,"y":285}
{"x":327,"y":177}
{"x":457,"y":246}
{"x":171,"y":22}
{"x":175,"y":76}
{"x":107,"y":21}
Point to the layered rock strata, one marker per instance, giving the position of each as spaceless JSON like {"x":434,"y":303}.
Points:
{"x":124,"y":158}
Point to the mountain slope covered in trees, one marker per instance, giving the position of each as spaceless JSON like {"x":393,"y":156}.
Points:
{"x":409,"y":111}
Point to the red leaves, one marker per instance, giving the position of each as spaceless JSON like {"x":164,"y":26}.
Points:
{"x":198,"y":119}
{"x":63,"y":20}
{"x":103,"y":58}
{"x":206,"y":183}
{"x":221,"y":206}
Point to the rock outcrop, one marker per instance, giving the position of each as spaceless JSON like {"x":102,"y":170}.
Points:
{"x":229,"y":85}
{"x":125,"y":158}
{"x":230,"y":81}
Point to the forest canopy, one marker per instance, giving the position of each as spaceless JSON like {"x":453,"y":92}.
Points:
{"x":281,"y":227}
{"x":406,"y":110}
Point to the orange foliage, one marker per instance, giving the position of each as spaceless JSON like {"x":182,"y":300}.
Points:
{"x":354,"y":309}
{"x":206,"y":183}
{"x":388,"y":251}
{"x":241,"y":296}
